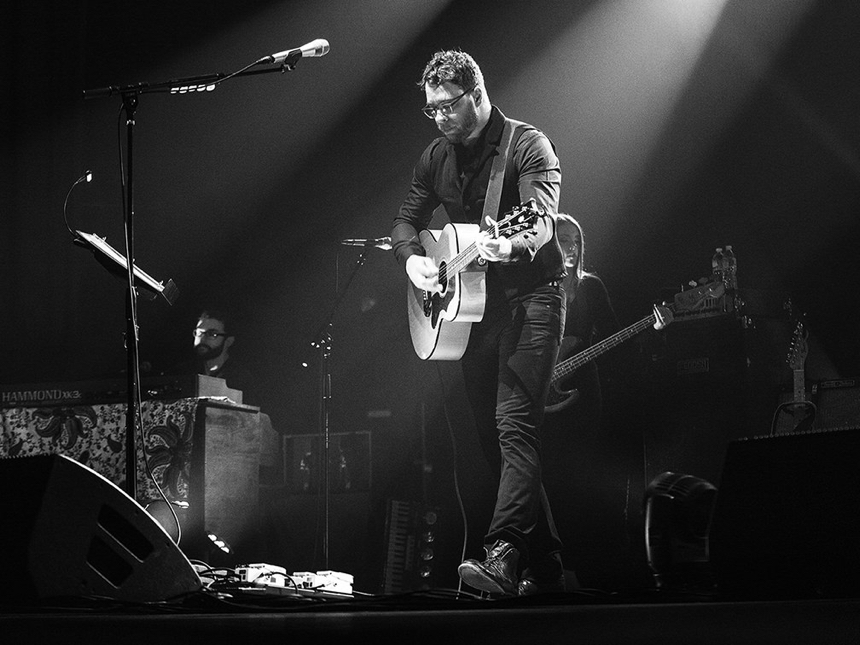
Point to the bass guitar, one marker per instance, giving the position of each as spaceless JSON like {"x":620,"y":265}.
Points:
{"x":561,"y":396}
{"x":440,"y":323}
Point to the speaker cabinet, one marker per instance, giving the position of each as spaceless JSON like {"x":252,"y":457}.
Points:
{"x":69,"y":532}
{"x":696,"y":398}
{"x":786,"y":521}
{"x":838,"y":404}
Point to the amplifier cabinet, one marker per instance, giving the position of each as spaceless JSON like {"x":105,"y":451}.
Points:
{"x":838,"y":403}
{"x":349,"y":462}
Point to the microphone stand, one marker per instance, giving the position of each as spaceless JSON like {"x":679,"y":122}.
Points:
{"x":132,"y":339}
{"x":130,"y":98}
{"x":324,"y":343}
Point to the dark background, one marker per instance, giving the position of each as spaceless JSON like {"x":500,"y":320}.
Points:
{"x":681,"y":126}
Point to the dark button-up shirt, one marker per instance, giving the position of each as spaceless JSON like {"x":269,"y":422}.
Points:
{"x":457,"y":177}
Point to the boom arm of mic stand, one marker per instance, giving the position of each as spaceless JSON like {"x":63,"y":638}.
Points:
{"x":202,"y":83}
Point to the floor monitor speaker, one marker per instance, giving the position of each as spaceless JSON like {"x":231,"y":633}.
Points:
{"x":69,"y":532}
{"x":786,"y":520}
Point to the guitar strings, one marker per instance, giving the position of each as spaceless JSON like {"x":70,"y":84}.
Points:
{"x":585,"y":356}
{"x":468,"y":254}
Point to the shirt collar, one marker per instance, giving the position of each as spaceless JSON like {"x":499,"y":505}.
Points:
{"x":491,"y":134}
{"x":494,"y":127}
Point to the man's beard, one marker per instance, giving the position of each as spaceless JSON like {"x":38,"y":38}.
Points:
{"x":468,"y":123}
{"x":207,"y":353}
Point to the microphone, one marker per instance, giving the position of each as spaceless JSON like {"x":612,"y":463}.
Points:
{"x":383,"y":243}
{"x":313,"y":49}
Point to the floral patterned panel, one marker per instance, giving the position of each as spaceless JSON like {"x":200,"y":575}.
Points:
{"x":94,"y":435}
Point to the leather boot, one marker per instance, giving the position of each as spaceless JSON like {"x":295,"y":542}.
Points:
{"x":533,"y":587}
{"x":496,"y":574}
{"x":545,"y":575}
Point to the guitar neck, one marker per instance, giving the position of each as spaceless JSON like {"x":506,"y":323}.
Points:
{"x":799,"y":386}
{"x":586,"y":356}
{"x":460,"y":261}
{"x":468,"y":255}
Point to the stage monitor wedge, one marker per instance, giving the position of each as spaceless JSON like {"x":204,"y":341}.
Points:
{"x":69,"y":532}
{"x":786,"y":522}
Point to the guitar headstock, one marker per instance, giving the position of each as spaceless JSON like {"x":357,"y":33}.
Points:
{"x":799,"y":347}
{"x":694,"y":298}
{"x":519,"y":220}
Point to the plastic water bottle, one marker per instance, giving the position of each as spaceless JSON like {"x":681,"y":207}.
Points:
{"x":718,"y":265}
{"x":730,"y":272}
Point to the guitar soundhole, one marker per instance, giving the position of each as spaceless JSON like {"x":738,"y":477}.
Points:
{"x":433,"y":302}
{"x":443,"y":276}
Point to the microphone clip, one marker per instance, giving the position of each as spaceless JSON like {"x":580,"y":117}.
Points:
{"x":383,"y":243}
{"x":291,"y":61}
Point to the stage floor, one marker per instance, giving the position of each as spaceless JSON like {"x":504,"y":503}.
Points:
{"x":441,"y":617}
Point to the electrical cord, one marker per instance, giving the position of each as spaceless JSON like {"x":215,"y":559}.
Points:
{"x":457,"y":491}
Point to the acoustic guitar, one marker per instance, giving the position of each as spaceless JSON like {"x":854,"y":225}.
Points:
{"x":440,"y":323}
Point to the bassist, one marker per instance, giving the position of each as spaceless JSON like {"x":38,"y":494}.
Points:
{"x":589,"y":317}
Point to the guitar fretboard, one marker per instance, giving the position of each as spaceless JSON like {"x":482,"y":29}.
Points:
{"x":799,"y":386}
{"x":566,"y":367}
{"x":468,"y":255}
{"x":459,"y":262}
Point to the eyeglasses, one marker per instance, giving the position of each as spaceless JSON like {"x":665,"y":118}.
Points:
{"x":444,"y":108}
{"x":209,"y":333}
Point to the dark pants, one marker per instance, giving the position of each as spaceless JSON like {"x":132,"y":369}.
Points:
{"x":506,"y":370}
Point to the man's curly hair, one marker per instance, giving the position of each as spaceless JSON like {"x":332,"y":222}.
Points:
{"x":452,"y":66}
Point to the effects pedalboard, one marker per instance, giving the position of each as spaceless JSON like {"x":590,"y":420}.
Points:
{"x":269,"y":579}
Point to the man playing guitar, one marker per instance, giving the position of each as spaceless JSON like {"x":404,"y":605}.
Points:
{"x":511,"y":343}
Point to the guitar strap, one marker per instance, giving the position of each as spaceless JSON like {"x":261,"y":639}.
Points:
{"x":497,"y":173}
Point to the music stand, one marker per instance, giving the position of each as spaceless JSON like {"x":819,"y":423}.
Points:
{"x":117,"y":264}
